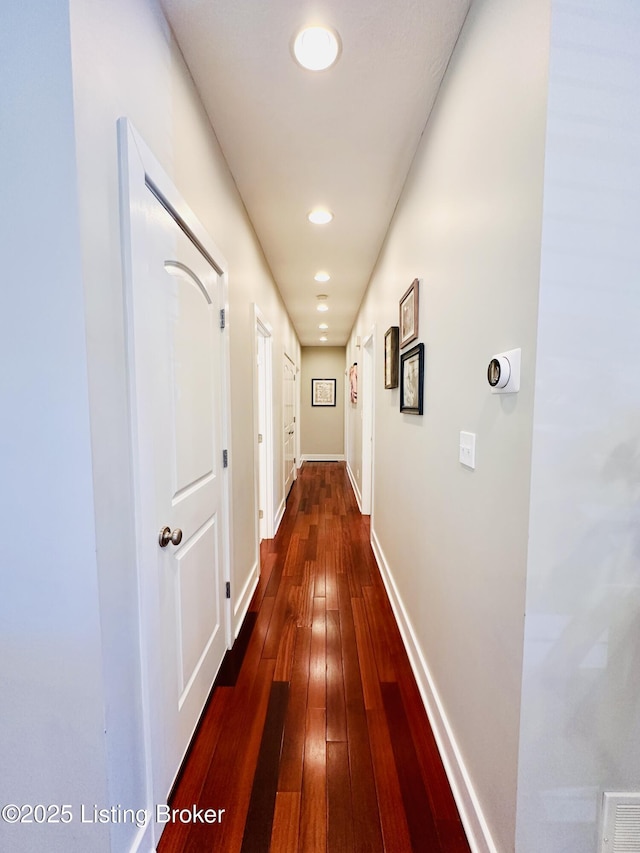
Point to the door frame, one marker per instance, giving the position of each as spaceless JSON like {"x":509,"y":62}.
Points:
{"x":368,"y":350}
{"x":263,"y":397}
{"x":140,"y":173}
{"x":294,"y":367}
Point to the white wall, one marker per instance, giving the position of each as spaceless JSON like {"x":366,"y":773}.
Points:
{"x":70,"y":639}
{"x":454,"y":541}
{"x":580,"y":731}
{"x":51,"y":694}
{"x":322,"y":427}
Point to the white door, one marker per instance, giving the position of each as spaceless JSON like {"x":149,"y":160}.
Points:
{"x":262,"y":435}
{"x":289,"y":394}
{"x":177,"y":394}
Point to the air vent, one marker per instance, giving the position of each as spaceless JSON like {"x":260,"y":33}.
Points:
{"x":620,"y":823}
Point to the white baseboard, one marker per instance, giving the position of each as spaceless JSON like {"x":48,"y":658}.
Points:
{"x":322,"y":457}
{"x":355,"y":488}
{"x":475,"y":825}
{"x":243,"y":601}
{"x":279,"y":516}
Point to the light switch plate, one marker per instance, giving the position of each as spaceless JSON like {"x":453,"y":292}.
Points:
{"x":468,"y":449}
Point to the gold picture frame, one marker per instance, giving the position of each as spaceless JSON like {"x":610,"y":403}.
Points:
{"x":409,"y":314}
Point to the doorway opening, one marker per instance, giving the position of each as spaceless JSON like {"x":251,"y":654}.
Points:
{"x":263,"y":386}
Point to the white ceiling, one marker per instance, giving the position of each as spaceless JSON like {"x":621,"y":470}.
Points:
{"x":343,"y":138}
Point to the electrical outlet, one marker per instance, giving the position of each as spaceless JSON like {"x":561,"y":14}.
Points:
{"x":468,"y":449}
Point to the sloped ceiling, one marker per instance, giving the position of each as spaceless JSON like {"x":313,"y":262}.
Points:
{"x":343,"y":138}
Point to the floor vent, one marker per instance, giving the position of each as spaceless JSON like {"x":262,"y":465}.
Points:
{"x":620,"y":823}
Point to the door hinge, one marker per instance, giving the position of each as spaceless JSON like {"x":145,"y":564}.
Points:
{"x":228,"y":589}
{"x":260,"y":514}
{"x":225,"y":458}
{"x":223,"y":318}
{"x":259,"y":438}
{"x":294,"y":419}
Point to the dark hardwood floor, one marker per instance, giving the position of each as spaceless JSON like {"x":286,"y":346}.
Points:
{"x":315,"y":737}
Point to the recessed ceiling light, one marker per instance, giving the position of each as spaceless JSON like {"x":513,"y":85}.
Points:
{"x":322,"y":276}
{"x":320,"y":216}
{"x":324,"y":338}
{"x":322,"y":302}
{"x":316,"y":48}
{"x":323,"y":326}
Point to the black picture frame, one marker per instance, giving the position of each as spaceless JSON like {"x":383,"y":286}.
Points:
{"x":391,"y":353}
{"x":412,"y":381}
{"x":409,"y":314}
{"x":323,"y":392}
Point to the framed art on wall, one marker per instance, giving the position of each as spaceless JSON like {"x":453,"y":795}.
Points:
{"x":409,"y":315}
{"x":353,"y":383}
{"x":412,"y":380}
{"x":391,"y":357}
{"x":323,"y":392}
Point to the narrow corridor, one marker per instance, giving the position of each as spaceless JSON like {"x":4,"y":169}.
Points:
{"x":315,"y":737}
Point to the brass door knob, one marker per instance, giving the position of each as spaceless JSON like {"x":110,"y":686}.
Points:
{"x":167,"y":536}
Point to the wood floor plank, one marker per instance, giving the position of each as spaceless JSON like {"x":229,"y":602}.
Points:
{"x":336,"y":706}
{"x":284,"y":657}
{"x":230,"y":779}
{"x":393,"y":820}
{"x":366,"y":820}
{"x":420,"y":819}
{"x":292,"y":759}
{"x":305,"y":612}
{"x":259,"y":822}
{"x":317,"y":695}
{"x":378,"y":630}
{"x":267,"y":562}
{"x":339,"y":808}
{"x":293,"y":562}
{"x":286,"y":823}
{"x":366,"y":657}
{"x":313,"y":806}
{"x":281,"y":612}
{"x":311,"y":543}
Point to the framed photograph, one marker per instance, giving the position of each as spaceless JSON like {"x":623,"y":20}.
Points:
{"x":409,"y":315}
{"x":391,"y":357}
{"x":353,"y":383}
{"x":323,"y":392}
{"x":412,"y":380}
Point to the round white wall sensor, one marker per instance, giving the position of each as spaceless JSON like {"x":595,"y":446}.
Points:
{"x":503,"y":373}
{"x":499,"y":371}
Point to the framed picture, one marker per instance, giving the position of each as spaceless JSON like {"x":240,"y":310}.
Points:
{"x":353,"y":382}
{"x":412,"y":380}
{"x":323,"y":392}
{"x":391,"y":357}
{"x":409,"y":315}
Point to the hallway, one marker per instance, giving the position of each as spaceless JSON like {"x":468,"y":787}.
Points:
{"x":315,"y":738}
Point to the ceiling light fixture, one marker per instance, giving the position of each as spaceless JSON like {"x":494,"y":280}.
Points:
{"x":316,"y":48}
{"x":322,"y":302}
{"x":323,"y":326}
{"x":320,"y":216}
{"x":324,"y":338}
{"x":322,"y":276}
